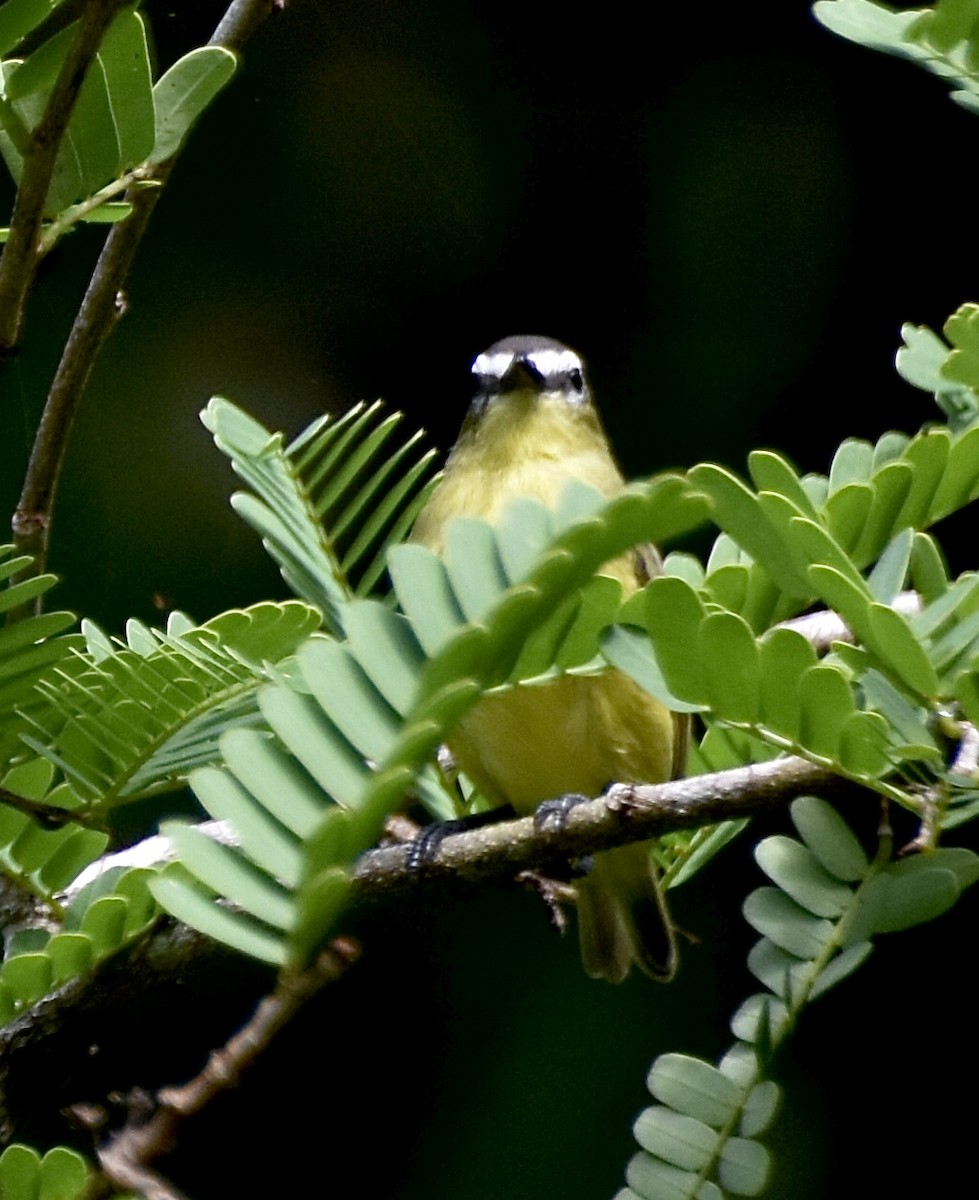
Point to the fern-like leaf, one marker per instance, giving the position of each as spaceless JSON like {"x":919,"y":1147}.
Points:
{"x":817,"y":922}
{"x":327,"y":505}
{"x":124,"y":720}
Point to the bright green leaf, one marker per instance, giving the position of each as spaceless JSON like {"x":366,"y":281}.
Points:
{"x":729,"y":656}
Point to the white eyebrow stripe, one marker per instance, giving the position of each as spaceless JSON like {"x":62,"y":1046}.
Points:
{"x":492,"y":364}
{"x":555,"y":362}
{"x":548,"y":362}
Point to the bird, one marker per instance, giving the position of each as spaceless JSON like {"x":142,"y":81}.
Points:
{"x":532,"y":427}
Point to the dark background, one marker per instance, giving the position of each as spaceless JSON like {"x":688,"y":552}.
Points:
{"x":730,"y":214}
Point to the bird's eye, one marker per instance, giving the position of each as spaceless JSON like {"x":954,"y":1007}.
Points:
{"x":577,"y":380}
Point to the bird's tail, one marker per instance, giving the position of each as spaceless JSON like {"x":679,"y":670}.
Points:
{"x":623,"y":918}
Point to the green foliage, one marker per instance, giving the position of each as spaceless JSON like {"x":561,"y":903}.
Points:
{"x":43,"y":861}
{"x":126,"y":719}
{"x":121,"y":124}
{"x":943,"y":38}
{"x":61,"y":1174}
{"x":702,"y":639}
{"x":28,"y":648}
{"x":950,"y":373}
{"x":104,"y":917}
{"x":817,"y":924}
{"x":328,"y":505}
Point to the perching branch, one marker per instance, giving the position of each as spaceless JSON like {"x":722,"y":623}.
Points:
{"x":101,"y":308}
{"x":498,"y":852}
{"x":626,"y":813}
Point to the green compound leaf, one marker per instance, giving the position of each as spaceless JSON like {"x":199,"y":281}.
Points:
{"x":194,"y":907}
{"x":652,"y":1179}
{"x":732,"y":690}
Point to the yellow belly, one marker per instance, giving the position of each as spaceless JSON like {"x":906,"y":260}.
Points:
{"x":576,"y":734}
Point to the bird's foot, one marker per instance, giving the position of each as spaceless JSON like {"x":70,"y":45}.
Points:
{"x":552,"y":815}
{"x":425,"y":848}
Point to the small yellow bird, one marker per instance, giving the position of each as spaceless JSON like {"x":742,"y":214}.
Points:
{"x":531,"y":429}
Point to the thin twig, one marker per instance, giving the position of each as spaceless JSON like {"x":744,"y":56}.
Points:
{"x":127,"y":1158}
{"x":101,"y":308}
{"x":21,"y":255}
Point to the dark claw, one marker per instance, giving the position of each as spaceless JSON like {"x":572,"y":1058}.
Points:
{"x":424,"y":849}
{"x":553,"y":814}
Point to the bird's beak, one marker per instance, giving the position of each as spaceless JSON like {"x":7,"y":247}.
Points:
{"x":521,"y":374}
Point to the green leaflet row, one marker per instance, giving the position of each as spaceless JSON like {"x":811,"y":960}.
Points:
{"x":104,"y":917}
{"x":124,"y":719}
{"x":828,"y":900}
{"x":760,"y":566}
{"x":121,"y":121}
{"x":327,"y":505}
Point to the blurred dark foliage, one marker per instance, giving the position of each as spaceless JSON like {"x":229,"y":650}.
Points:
{"x":730,"y":213}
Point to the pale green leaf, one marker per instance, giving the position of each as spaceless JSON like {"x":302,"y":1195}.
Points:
{"x":785,"y":655}
{"x":125,"y":59}
{"x":826,"y":703}
{"x":693,"y":1087}
{"x":729,"y":655}
{"x":798,"y":872}
{"x":739,"y":514}
{"x":744,"y":1167}
{"x":774,"y":915}
{"x":852,"y":463}
{"x":829,"y":838}
{"x":19,"y":17}
{"x":891,"y":570}
{"x":843,"y":965}
{"x":653,"y":1179}
{"x":225,"y":871}
{"x":677,"y":1139}
{"x":760,"y":1108}
{"x":184,"y":91}
{"x":267,"y":843}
